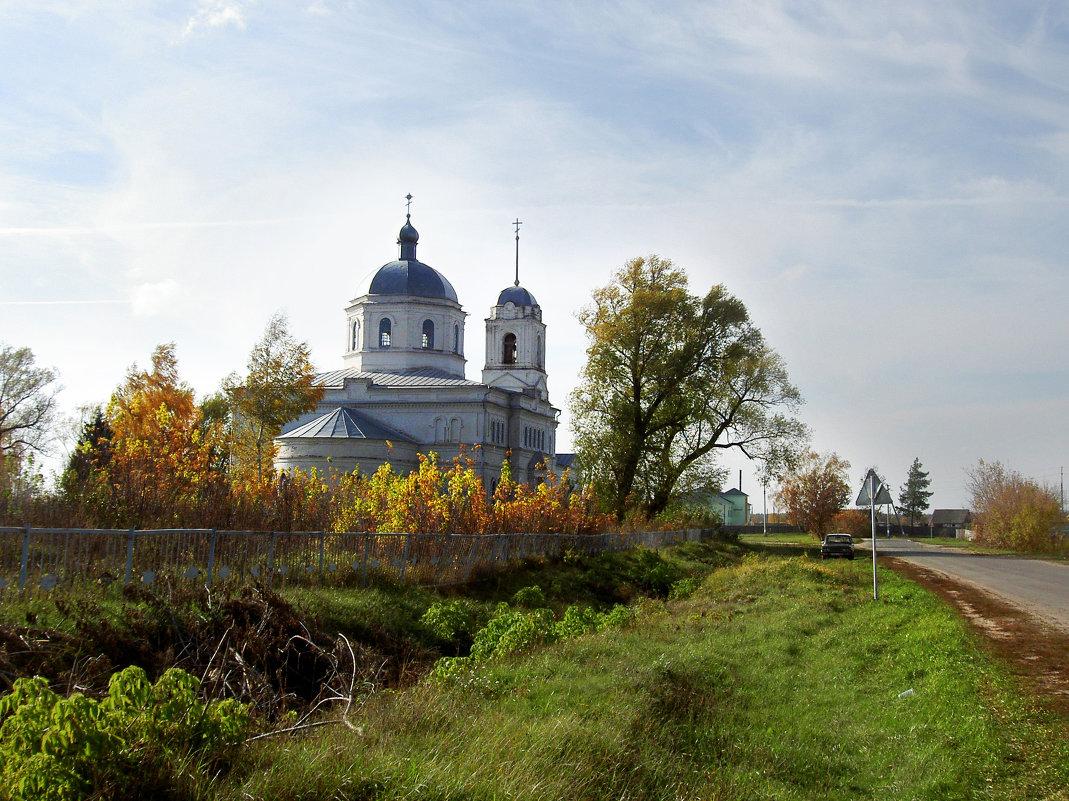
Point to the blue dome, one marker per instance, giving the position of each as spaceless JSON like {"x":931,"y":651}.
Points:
{"x":411,"y":277}
{"x":408,"y":275}
{"x":516,"y":295}
{"x":408,"y":234}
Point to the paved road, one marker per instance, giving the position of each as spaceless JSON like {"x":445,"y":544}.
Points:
{"x":1037,"y":586}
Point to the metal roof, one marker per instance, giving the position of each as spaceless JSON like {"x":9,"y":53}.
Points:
{"x":516,"y":295}
{"x":951,"y":517}
{"x":345,"y":423}
{"x":411,"y":277}
{"x":423,"y":377}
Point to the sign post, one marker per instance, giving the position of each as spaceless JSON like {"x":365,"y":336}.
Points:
{"x":873,"y":492}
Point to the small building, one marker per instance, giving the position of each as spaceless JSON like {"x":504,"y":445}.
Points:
{"x":732,"y":506}
{"x":952,"y":523}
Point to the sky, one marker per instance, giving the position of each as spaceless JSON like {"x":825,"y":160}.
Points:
{"x":885,"y":186}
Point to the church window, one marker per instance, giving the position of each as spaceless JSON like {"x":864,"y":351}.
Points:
{"x":456,"y":338}
{"x":385,"y":332}
{"x":540,"y":356}
{"x":454,"y":430}
{"x":356,"y":336}
{"x":428,"y":335}
{"x":508,"y":355}
{"x":439,"y":430}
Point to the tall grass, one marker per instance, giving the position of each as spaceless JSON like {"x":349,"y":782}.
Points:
{"x":777,"y":678}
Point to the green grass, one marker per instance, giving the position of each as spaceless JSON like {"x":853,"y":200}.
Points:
{"x":793,"y":538}
{"x":778,"y":678}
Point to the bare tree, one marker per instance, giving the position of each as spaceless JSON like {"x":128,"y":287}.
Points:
{"x":27,"y":402}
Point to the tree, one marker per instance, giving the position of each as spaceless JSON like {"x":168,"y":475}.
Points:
{"x":670,"y":380}
{"x":816,"y":492}
{"x":1011,"y":511}
{"x":280,"y":386}
{"x":27,"y":402}
{"x":915,"y":493}
{"x":161,"y":451}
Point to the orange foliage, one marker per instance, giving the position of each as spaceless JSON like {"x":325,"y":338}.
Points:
{"x":852,"y":522}
{"x":161,"y":453}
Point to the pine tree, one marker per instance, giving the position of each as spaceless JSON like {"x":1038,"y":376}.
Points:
{"x":915,"y":493}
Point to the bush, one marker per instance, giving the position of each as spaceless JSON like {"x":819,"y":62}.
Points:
{"x":452,"y":620}
{"x":529,"y":597}
{"x":851,"y":521}
{"x":1011,"y":511}
{"x":140,"y":740}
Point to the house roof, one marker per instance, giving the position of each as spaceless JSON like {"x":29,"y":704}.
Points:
{"x":345,"y":423}
{"x":951,"y":517}
{"x":734,"y":491}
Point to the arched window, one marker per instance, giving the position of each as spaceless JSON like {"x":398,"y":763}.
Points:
{"x":439,"y":430}
{"x":454,"y":430}
{"x":356,"y":336}
{"x":456,"y":338}
{"x":539,"y":355}
{"x":428,"y":335}
{"x":508,"y":354}
{"x":385,"y":330}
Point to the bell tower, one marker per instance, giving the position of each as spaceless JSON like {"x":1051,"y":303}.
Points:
{"x":516,"y":340}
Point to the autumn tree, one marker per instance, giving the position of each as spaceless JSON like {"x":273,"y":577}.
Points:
{"x":280,"y":386}
{"x":915,"y":493}
{"x":160,"y":451}
{"x":815,"y":492}
{"x":1011,"y":511}
{"x":672,"y":379}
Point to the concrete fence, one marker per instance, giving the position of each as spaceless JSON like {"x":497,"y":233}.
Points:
{"x":42,"y":560}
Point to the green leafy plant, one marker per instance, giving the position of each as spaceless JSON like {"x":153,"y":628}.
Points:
{"x":452,"y":619}
{"x":140,"y":739}
{"x":529,"y":597}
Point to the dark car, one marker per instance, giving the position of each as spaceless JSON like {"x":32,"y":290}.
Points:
{"x":837,"y":545}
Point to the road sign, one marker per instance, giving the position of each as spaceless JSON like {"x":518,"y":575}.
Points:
{"x":882,"y":495}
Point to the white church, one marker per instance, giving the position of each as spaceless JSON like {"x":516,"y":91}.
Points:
{"x":402,"y":390}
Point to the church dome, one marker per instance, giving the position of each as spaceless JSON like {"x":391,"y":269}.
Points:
{"x":516,"y":295}
{"x":409,"y":276}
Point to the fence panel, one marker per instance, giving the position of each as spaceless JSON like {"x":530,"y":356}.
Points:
{"x":39,"y":561}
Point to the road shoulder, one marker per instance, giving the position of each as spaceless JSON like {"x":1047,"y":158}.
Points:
{"x":1037,"y":652}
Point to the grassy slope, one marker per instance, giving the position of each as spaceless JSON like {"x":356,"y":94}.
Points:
{"x":779,"y":678}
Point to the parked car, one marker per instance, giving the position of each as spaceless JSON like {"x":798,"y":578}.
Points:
{"x":837,"y":545}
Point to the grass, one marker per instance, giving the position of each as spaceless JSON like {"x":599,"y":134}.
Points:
{"x":793,"y":538}
{"x":777,"y":678}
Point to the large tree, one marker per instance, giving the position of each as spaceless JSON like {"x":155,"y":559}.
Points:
{"x":280,"y":386}
{"x":27,"y":402}
{"x":914,"y":495}
{"x":815,"y":491}
{"x":670,"y":380}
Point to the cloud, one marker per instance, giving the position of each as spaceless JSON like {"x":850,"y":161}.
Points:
{"x":216,"y":14}
{"x":153,"y":298}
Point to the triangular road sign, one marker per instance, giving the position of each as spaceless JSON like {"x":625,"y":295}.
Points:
{"x":882,"y":495}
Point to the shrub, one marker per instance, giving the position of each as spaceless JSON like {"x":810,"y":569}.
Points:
{"x":852,"y":522}
{"x":141,"y":739}
{"x":452,"y":620}
{"x":529,"y":597}
{"x":1012,"y":511}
